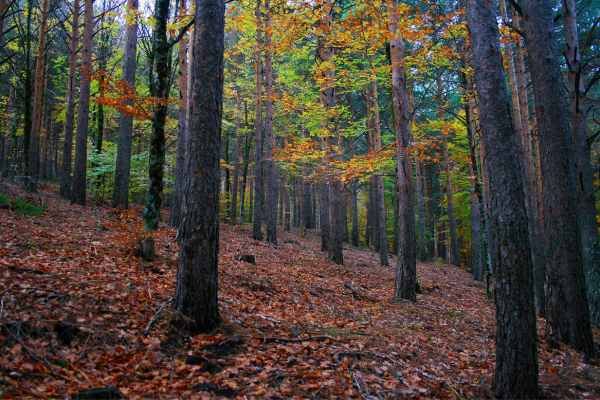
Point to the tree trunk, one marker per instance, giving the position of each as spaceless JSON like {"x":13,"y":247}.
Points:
{"x":197,"y":277}
{"x":78,"y":191}
{"x":406,"y":267}
{"x":65,"y":181}
{"x":516,"y":348}
{"x":378,"y":197}
{"x":182,"y":119}
{"x":355,"y":224}
{"x":27,"y":86}
{"x":269,"y":143}
{"x":38,"y":97}
{"x":533,"y":179}
{"x":160,"y":90}
{"x":420,"y":225}
{"x":324,"y":217}
{"x":566,"y":303}
{"x":237,"y":155}
{"x":258,"y":130}
{"x":584,"y":175}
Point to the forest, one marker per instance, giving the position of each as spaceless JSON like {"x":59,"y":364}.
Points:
{"x":366,"y":199}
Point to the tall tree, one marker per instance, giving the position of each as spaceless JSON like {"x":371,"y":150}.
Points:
{"x":197,"y":276}
{"x":406,"y":267}
{"x":65,"y":181}
{"x":270,"y":170}
{"x":123,"y":162}
{"x":159,"y":88}
{"x":182,"y":119}
{"x":566,"y":302}
{"x":257,"y":219}
{"x":516,"y":348}
{"x":38,"y":95}
{"x":585,"y":188}
{"x":78,"y":191}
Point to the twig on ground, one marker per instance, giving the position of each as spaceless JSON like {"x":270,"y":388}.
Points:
{"x":295,"y":340}
{"x":156,"y":315}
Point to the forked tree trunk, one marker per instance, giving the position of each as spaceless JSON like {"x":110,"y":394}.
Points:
{"x":78,"y":191}
{"x":197,"y":277}
{"x":516,"y":348}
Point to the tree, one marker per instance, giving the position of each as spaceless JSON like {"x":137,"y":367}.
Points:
{"x":123,"y":162}
{"x":406,"y":267}
{"x":38,"y":96}
{"x":65,"y":182}
{"x":182,"y":119}
{"x":159,"y":88}
{"x":197,"y":277}
{"x":516,"y":348}
{"x":566,"y":303}
{"x":257,"y":219}
{"x":78,"y":191}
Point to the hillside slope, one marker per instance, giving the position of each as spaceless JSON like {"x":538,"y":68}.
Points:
{"x":76,"y":303}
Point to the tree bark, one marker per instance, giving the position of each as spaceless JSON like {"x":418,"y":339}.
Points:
{"x":406,"y":267}
{"x":38,"y":96}
{"x":237,"y":155}
{"x":78,"y":191}
{"x":516,"y":347}
{"x":182,"y":119}
{"x":584,"y":175}
{"x":65,"y":181}
{"x":160,"y":90}
{"x":269,"y":143}
{"x":257,"y":222}
{"x":197,"y":277}
{"x":566,"y":302}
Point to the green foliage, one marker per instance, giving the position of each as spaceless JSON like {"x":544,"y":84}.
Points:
{"x":22,"y":206}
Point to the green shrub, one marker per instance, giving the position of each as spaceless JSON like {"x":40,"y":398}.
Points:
{"x":22,"y":206}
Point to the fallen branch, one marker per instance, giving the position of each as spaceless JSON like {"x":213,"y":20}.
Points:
{"x":156,"y":315}
{"x":295,"y":340}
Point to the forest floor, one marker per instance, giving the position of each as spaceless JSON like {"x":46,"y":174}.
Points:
{"x":79,"y":310}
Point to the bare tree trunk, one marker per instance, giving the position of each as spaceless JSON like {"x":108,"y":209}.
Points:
{"x":237,"y":155}
{"x":182,"y":118}
{"x":159,"y":89}
{"x":566,"y":302}
{"x":269,"y":143}
{"x":584,"y":178}
{"x":257,"y":233}
{"x":406,"y":268}
{"x":78,"y":191}
{"x":38,"y":97}
{"x":516,"y":348}
{"x":379,"y":199}
{"x":65,"y":182}
{"x":197,"y":277}
{"x":355,"y":223}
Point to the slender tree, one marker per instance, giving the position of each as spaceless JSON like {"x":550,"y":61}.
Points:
{"x":406,"y":267}
{"x":78,"y":191}
{"x":123,"y":162}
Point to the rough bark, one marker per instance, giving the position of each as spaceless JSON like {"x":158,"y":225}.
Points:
{"x":78,"y":191}
{"x":182,"y":119}
{"x":257,"y":221}
{"x":355,"y":225}
{"x":197,"y":277}
{"x":566,"y":302}
{"x":38,"y":96}
{"x":516,"y":348}
{"x":237,"y":156}
{"x":160,"y":90}
{"x":406,"y":267}
{"x":378,"y":197}
{"x":65,"y":181}
{"x":269,"y":142}
{"x":584,"y":175}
